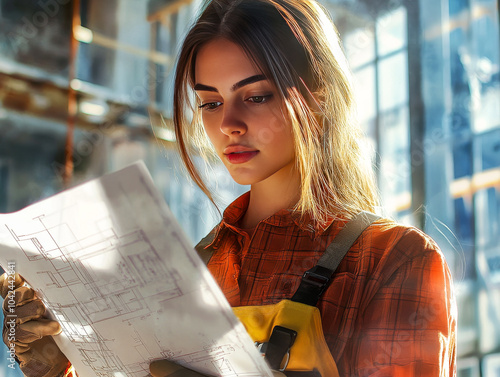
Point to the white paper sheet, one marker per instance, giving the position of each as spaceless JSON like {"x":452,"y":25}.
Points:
{"x":115,"y":269}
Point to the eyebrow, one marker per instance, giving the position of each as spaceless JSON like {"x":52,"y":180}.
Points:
{"x":238,"y":85}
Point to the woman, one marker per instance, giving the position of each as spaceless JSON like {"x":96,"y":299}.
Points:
{"x":271,"y":94}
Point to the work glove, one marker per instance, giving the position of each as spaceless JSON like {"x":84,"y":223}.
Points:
{"x":165,"y":368}
{"x":28,"y":333}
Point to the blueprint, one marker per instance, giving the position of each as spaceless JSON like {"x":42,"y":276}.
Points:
{"x":115,"y":269}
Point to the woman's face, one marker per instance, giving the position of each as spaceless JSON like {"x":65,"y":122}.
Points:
{"x":242,"y":116}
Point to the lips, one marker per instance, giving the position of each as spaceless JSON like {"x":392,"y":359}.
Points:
{"x":239,"y":154}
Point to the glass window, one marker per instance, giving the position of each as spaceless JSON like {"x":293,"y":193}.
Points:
{"x":484,"y":26}
{"x":364,"y":80}
{"x":460,"y":59}
{"x":391,"y":31}
{"x":487,"y":215}
{"x":467,"y":319}
{"x":395,"y":169}
{"x":117,"y":50}
{"x":394,"y":132}
{"x":95,"y":65}
{"x":460,"y":118}
{"x":484,"y":68}
{"x":457,"y":6}
{"x":489,"y":311}
{"x":491,"y":4}
{"x":460,"y":83}
{"x":462,"y":159}
{"x":166,"y":43}
{"x":493,"y":263}
{"x":487,"y":149}
{"x":393,"y":81}
{"x":96,"y":60}
{"x":464,"y":232}
{"x":127,"y":57}
{"x":491,"y":365}
{"x":100,"y":16}
{"x":379,"y":59}
{"x":359,"y":47}
{"x":468,"y":367}
{"x":486,"y":108}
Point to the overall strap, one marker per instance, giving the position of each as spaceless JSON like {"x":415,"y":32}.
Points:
{"x":316,"y":280}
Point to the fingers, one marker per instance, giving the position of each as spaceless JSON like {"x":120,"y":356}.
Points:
{"x":45,"y":347}
{"x":7,"y":282}
{"x":42,"y":359}
{"x":23,"y":295}
{"x":164,"y":368}
{"x":31,"y":331}
{"x":32,"y":310}
{"x":20,"y":348}
{"x":24,"y":305}
{"x":25,"y":331}
{"x":161,"y":368}
{"x":34,"y":367}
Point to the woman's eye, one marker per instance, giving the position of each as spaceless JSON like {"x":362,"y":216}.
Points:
{"x":210,"y":105}
{"x":259,"y":99}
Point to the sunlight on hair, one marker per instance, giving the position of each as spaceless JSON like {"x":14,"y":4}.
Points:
{"x":333,"y":39}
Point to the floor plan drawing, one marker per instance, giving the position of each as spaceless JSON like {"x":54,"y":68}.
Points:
{"x":114,"y":268}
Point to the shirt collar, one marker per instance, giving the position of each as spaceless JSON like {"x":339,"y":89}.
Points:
{"x":283,"y":218}
{"x":235,"y":211}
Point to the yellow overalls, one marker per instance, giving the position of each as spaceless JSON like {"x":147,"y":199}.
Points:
{"x":289,"y":334}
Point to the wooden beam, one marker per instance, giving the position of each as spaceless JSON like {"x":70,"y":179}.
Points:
{"x":159,"y":9}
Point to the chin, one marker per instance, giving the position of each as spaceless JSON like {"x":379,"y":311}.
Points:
{"x":243,"y":180}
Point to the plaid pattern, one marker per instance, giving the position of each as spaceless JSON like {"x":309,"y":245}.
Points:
{"x":390,"y":309}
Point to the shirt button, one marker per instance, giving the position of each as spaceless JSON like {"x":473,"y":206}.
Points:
{"x":286,"y":287}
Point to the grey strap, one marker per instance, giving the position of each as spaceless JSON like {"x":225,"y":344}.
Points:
{"x":336,"y":251}
{"x":315,"y":280}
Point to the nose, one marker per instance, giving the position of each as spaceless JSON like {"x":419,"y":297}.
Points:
{"x":232,"y":121}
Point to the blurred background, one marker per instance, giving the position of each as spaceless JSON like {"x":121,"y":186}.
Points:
{"x":86,"y":88}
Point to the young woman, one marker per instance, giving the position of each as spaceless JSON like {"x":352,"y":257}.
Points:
{"x":271,"y":96}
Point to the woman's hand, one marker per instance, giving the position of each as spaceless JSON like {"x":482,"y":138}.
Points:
{"x":27,"y":333}
{"x":165,"y":368}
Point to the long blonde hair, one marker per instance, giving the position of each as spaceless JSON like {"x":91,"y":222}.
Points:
{"x":296,"y":46}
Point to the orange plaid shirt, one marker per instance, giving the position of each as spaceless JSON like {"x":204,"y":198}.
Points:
{"x":389,"y":310}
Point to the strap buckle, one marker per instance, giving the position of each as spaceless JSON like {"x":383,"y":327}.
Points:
{"x":278,"y":347}
{"x":314,"y":282}
{"x":317,"y":276}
